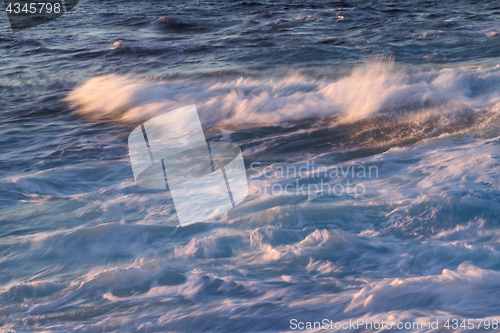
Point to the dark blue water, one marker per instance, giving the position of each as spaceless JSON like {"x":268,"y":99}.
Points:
{"x":411,"y":89}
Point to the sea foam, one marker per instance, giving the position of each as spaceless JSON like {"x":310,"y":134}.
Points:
{"x":373,"y":88}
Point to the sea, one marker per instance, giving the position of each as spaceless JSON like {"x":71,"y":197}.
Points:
{"x":370,"y":132}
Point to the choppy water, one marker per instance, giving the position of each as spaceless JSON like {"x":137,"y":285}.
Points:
{"x":411,"y":89}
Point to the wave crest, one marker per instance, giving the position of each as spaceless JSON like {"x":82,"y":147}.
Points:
{"x":375,"y":88}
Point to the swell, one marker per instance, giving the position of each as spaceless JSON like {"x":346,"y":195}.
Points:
{"x":377,"y":106}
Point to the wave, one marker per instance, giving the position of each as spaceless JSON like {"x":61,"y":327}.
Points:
{"x":448,"y":292}
{"x":172,"y":24}
{"x":326,"y":267}
{"x":44,"y":296}
{"x":371,"y":90}
{"x":211,"y":247}
{"x":31,"y":290}
{"x":149,"y":48}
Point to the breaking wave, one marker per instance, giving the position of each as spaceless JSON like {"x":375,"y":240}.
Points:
{"x":374,"y":89}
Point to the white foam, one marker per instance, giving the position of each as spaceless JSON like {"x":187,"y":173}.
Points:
{"x":370,"y":89}
{"x":449,"y":291}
